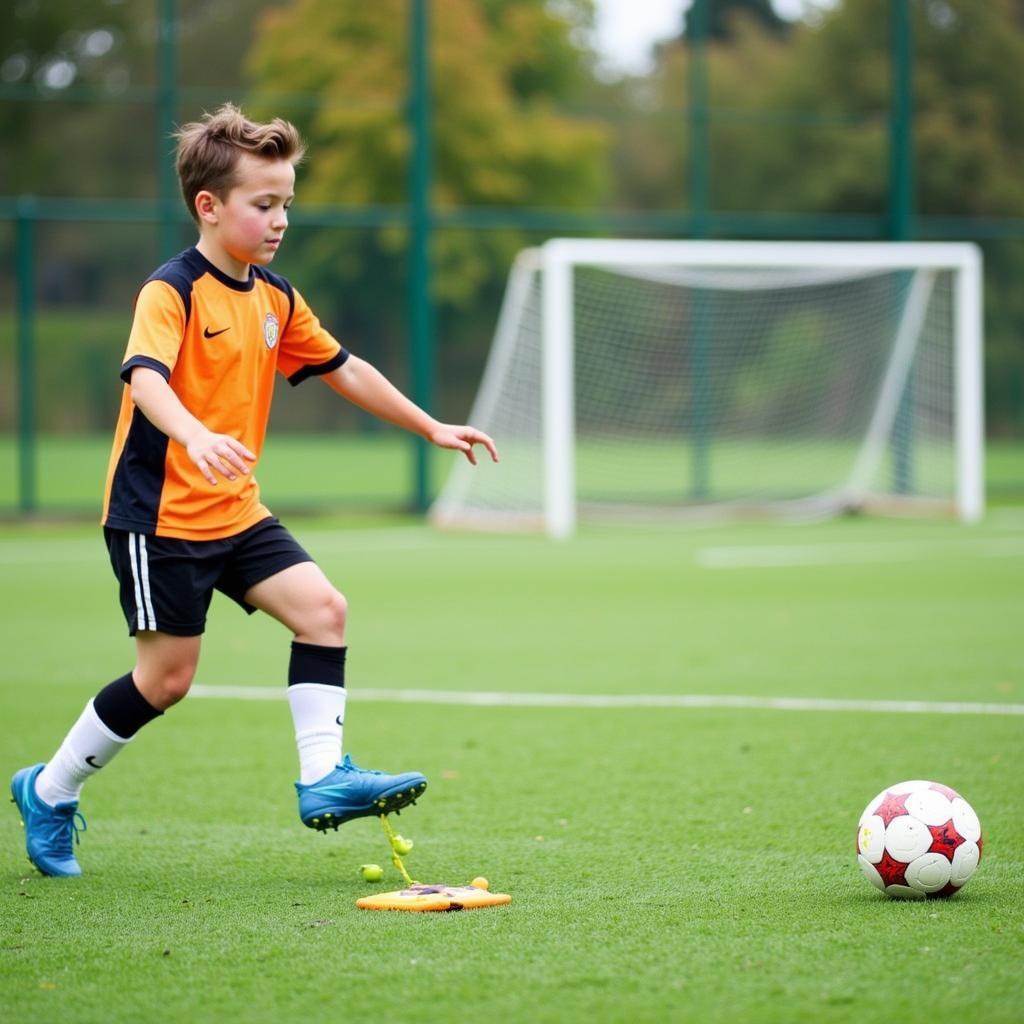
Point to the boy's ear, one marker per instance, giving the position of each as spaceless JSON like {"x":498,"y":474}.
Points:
{"x":206,"y":207}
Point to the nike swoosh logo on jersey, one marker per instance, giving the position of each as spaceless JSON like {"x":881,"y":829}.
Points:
{"x":207,"y":333}
{"x":91,"y":760}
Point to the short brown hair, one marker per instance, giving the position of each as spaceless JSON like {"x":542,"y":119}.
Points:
{"x":209,"y":149}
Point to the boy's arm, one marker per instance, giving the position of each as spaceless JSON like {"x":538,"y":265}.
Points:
{"x":162,"y":407}
{"x":367,"y":387}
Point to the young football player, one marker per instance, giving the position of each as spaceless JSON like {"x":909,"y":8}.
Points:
{"x":182,"y":515}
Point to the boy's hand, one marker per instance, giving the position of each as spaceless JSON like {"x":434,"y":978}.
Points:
{"x":462,"y":440}
{"x":219,"y":452}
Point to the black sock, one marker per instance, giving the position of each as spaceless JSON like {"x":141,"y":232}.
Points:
{"x":312,"y":663}
{"x":122,"y":709}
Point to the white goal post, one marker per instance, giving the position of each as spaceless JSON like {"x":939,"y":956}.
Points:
{"x":659,"y":378}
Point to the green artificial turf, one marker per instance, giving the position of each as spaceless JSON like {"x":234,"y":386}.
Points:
{"x":666,"y":864}
{"x":304,"y":470}
{"x":347,"y":470}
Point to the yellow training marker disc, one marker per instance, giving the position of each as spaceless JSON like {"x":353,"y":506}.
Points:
{"x":434,"y":897}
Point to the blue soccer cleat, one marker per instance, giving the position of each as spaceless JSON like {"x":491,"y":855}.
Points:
{"x":49,"y":831}
{"x":352,"y":792}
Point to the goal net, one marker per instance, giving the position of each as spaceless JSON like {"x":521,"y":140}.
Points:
{"x":647,"y":379}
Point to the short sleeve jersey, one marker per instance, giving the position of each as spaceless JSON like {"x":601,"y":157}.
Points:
{"x":218,"y":342}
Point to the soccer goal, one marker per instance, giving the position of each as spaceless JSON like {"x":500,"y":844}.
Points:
{"x":647,"y":379}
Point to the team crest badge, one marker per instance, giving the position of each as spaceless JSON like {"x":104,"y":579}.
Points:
{"x":270,"y":330}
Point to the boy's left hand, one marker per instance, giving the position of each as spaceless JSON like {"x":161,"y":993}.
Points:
{"x":462,"y":440}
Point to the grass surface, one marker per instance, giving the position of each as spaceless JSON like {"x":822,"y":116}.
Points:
{"x":665,"y":864}
{"x":349,"y":470}
{"x":315,"y":470}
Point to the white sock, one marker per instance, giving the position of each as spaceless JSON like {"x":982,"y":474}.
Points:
{"x":318,"y":711}
{"x":87,"y":748}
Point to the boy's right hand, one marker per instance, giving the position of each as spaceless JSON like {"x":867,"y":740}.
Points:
{"x":218,"y":452}
{"x":212,"y":453}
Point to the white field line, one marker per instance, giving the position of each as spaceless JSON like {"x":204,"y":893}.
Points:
{"x":773,"y":556}
{"x":574,"y":700}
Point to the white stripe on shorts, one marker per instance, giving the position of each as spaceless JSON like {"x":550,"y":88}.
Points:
{"x":146,"y":596}
{"x":140,"y":612}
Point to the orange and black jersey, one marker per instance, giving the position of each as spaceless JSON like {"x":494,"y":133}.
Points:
{"x":218,"y":342}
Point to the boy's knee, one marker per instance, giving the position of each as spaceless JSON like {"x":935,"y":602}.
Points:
{"x":167,"y":686}
{"x":326,"y":620}
{"x":335,"y":613}
{"x":178,"y":682}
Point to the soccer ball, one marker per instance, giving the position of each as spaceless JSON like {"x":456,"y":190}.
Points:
{"x":918,"y":840}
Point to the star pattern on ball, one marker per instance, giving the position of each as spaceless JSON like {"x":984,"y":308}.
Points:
{"x":919,"y":831}
{"x":893,"y":872}
{"x":892,"y":806}
{"x":945,"y":839}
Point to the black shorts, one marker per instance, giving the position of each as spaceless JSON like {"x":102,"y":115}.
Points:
{"x":167,"y":584}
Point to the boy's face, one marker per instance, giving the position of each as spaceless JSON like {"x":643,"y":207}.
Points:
{"x":249,"y":224}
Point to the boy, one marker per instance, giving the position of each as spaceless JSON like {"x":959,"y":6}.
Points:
{"x":182,"y":514}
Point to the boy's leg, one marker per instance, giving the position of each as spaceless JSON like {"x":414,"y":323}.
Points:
{"x":330,"y":793}
{"x":301,"y":598}
{"x":47,"y":794}
{"x":161,"y":677}
{"x":165,"y":666}
{"x":105,"y":726}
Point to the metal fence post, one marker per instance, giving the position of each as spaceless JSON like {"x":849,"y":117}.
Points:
{"x":26,"y":386}
{"x":421,"y":327}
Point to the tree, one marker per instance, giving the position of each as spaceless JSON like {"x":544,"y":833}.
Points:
{"x":720,"y":17}
{"x":800,"y":123}
{"x":500,"y":70}
{"x":49,"y":51}
{"x":79,"y":120}
{"x":968,"y":140}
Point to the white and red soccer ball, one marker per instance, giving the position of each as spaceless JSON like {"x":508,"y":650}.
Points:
{"x":918,"y":839}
